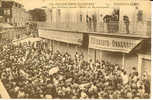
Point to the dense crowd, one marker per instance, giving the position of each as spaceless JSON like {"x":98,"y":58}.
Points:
{"x":26,"y":73}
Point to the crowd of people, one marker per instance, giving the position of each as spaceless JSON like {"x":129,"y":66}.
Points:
{"x":26,"y":72}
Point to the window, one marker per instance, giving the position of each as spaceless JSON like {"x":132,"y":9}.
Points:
{"x":16,"y":4}
{"x":146,"y":66}
{"x":81,"y":18}
{"x":58,"y":19}
{"x":1,"y":19}
{"x":1,"y":11}
{"x":51,"y":15}
{"x":7,"y":12}
{"x":59,"y":12}
{"x":140,"y":16}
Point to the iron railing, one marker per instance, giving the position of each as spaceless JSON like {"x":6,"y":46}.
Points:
{"x":140,"y":28}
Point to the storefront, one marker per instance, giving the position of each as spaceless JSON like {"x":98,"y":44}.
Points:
{"x":122,"y":50}
{"x":62,"y":41}
{"x":144,"y":58}
{"x":144,"y":64}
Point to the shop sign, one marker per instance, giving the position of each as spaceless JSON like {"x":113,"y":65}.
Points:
{"x":113,"y":44}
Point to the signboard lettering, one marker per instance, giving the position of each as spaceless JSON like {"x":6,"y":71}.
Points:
{"x":100,"y":42}
{"x":113,"y":43}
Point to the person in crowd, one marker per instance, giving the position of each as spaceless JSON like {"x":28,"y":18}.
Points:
{"x":29,"y":72}
{"x":125,"y":77}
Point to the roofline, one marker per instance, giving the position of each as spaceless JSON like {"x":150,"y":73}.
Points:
{"x":12,"y":1}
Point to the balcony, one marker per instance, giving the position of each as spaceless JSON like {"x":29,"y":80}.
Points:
{"x":138,"y":29}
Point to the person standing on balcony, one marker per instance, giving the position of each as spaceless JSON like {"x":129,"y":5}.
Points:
{"x":107,"y":20}
{"x":126,"y":22}
{"x":94,"y":20}
{"x":101,"y":22}
{"x":88,"y":21}
{"x":81,"y":18}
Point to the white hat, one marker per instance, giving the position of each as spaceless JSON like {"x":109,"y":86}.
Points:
{"x":48,"y":96}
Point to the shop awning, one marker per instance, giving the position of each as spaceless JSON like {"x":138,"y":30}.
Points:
{"x":68,"y":37}
{"x":113,"y":44}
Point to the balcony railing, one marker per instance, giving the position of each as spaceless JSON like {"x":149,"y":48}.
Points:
{"x":137,"y":28}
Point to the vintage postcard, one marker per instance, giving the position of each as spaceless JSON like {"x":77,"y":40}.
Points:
{"x":75,"y":49}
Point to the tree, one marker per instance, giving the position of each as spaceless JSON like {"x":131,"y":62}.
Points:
{"x":37,"y":14}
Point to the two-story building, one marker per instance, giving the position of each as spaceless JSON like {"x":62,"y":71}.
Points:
{"x":70,"y":33}
{"x":14,"y":13}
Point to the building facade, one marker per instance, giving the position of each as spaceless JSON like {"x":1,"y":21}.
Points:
{"x":0,"y":11}
{"x":49,"y":15}
{"x":127,"y":51}
{"x":14,"y":13}
{"x":70,"y":32}
{"x":138,"y":16}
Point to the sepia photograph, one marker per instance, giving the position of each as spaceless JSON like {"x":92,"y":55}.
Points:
{"x":75,"y":49}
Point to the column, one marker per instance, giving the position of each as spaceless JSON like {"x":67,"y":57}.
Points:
{"x":139,"y":64}
{"x":87,"y":54}
{"x":95,"y":55}
{"x":123,"y":60}
{"x":53,"y":43}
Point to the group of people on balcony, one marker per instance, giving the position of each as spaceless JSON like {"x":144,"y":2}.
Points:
{"x":91,"y":22}
{"x":109,"y":23}
{"x":25,"y":72}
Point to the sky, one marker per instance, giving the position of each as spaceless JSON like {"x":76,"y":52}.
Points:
{"x":30,"y":4}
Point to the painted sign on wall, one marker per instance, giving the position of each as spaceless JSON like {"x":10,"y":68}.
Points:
{"x":113,"y":43}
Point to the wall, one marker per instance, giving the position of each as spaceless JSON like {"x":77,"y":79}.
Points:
{"x":0,"y":3}
{"x":19,"y":16}
{"x":65,"y":47}
{"x":144,"y":63}
{"x":114,"y":58}
{"x":131,"y":60}
{"x":13,"y":33}
{"x":48,"y":15}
